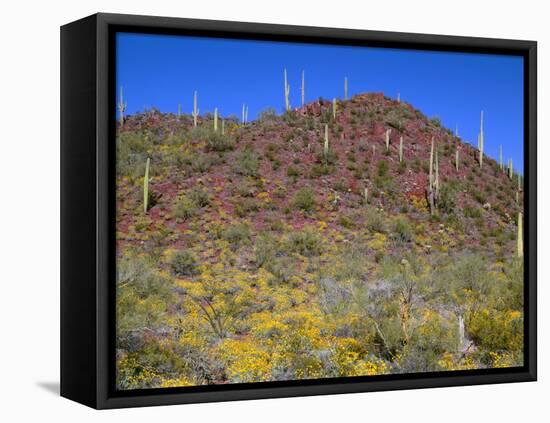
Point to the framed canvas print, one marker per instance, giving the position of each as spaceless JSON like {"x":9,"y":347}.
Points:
{"x":255,"y":211}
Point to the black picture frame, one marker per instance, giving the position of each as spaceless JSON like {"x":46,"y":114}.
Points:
{"x":88,"y":224}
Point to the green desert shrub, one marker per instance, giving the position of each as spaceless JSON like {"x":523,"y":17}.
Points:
{"x":374,"y":220}
{"x":184,"y":207}
{"x":305,"y":242}
{"x":247,"y":163}
{"x":188,"y":204}
{"x":292,"y":172}
{"x":183,"y":263}
{"x":401,"y":231}
{"x":473,"y":212}
{"x":245,"y":206}
{"x":199,"y":196}
{"x":266,"y":248}
{"x":201,"y":163}
{"x":282,"y":269}
{"x":447,"y":199}
{"x":382,"y":168}
{"x":318,"y":169}
{"x":304,"y":199}
{"x":237,"y":234}
{"x":215,"y":141}
{"x":138,"y":273}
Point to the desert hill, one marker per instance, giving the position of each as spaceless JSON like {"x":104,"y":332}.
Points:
{"x":256,"y":169}
{"x":304,"y":245}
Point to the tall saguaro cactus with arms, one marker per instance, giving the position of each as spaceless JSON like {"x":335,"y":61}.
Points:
{"x":432,"y":191}
{"x":287,"y":93}
{"x":122,"y":105}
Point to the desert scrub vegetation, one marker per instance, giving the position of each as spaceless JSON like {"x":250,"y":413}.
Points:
{"x":304,"y":199}
{"x":183,"y":263}
{"x":189,"y":204}
{"x":266,"y":256}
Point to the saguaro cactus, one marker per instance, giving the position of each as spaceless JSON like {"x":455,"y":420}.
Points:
{"x":242,"y":115}
{"x":387,"y":139}
{"x":246,"y":114}
{"x":366,"y":194}
{"x":500,"y":164}
{"x":456,"y":131}
{"x":480,"y":142}
{"x":146,"y":186}
{"x":436,"y":183}
{"x":520,"y":235}
{"x":334,"y":107}
{"x":325,"y":148}
{"x":456,"y":159}
{"x":122,"y":105}
{"x":431,"y":192}
{"x":215,"y":119}
{"x":400,"y":149}
{"x":510,"y":169}
{"x":519,"y":182}
{"x":303,"y":89}
{"x":179,"y":111}
{"x":195,"y":112}
{"x":345,"y":88}
{"x":287,"y":93}
{"x":223,"y":126}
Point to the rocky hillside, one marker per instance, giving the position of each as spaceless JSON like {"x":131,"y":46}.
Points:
{"x":304,"y":245}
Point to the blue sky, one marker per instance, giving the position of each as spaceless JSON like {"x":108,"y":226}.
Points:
{"x":163,"y":71}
